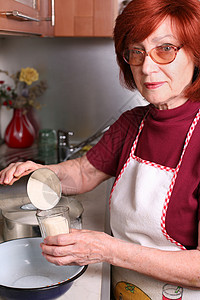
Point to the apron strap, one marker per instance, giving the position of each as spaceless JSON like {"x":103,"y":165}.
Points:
{"x":164,"y":212}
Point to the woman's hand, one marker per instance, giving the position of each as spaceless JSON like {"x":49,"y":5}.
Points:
{"x":16,"y":170}
{"x":79,"y":247}
{"x":83,"y":247}
{"x":76,"y":175}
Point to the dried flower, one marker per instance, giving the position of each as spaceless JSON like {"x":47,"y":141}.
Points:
{"x":28,"y":75}
{"x":22,"y":95}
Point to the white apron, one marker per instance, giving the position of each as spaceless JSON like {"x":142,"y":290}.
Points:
{"x":138,"y":206}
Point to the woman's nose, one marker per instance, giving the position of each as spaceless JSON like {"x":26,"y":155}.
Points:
{"x":149,"y":66}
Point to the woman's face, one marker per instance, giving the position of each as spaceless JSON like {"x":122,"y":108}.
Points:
{"x":163,"y":85}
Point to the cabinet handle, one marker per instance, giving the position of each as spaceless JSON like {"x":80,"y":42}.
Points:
{"x":52,"y":13}
{"x":19,"y":15}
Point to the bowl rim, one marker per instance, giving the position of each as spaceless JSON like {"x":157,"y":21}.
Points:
{"x":52,"y":286}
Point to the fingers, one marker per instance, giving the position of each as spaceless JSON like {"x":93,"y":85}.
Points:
{"x":8,"y":175}
{"x":67,"y":260}
{"x":80,"y":247}
{"x":15,"y":171}
{"x":71,"y":255}
{"x":65,"y":239}
{"x":64,"y":255}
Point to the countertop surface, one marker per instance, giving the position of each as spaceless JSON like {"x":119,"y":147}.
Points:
{"x":9,"y":155}
{"x":94,"y":284}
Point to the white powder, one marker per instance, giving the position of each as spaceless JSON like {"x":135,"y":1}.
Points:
{"x":41,"y":195}
{"x":55,"y":225}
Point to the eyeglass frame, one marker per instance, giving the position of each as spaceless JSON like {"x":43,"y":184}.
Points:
{"x":145,"y":53}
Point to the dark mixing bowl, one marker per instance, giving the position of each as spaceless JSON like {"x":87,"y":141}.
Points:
{"x":26,"y":274}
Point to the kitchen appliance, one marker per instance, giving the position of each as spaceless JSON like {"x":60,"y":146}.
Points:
{"x":20,"y":221}
{"x":26,"y":274}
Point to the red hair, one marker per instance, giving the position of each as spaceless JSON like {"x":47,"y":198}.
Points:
{"x":141,"y":18}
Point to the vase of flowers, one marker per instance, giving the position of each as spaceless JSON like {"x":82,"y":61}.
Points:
{"x":22,"y":98}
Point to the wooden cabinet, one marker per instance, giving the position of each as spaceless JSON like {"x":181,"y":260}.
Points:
{"x":85,"y":17}
{"x":72,"y":17}
{"x":26,"y":17}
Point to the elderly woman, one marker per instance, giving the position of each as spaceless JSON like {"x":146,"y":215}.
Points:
{"x":153,"y":152}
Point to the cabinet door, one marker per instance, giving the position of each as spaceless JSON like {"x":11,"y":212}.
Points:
{"x":85,"y":17}
{"x":64,"y":18}
{"x":73,"y":18}
{"x":105,"y":12}
{"x":25,"y":16}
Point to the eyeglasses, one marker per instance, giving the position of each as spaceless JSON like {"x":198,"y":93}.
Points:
{"x":162,"y":55}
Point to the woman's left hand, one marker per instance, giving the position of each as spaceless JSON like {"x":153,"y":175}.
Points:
{"x":83,"y":247}
{"x":79,"y":247}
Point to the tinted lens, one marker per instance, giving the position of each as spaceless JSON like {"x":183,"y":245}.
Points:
{"x":163,"y":55}
{"x":134,"y":57}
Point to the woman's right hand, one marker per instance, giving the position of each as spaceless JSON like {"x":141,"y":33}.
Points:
{"x":17,"y":170}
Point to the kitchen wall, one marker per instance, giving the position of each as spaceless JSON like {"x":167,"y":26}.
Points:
{"x":84,"y":93}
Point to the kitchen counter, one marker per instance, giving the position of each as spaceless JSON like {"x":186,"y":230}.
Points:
{"x":9,"y":155}
{"x":94,"y":284}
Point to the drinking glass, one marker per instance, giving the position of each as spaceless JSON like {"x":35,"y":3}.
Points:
{"x":53,"y":221}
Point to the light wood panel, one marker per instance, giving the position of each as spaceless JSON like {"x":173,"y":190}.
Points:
{"x":64,"y":17}
{"x":83,"y":26}
{"x":103,"y":17}
{"x":85,"y":17}
{"x":84,"y":8}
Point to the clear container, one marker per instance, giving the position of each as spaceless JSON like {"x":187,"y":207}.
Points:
{"x":53,"y":221}
{"x":47,"y":140}
{"x":47,"y":146}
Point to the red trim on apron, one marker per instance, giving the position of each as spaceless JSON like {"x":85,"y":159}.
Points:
{"x":175,"y":171}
